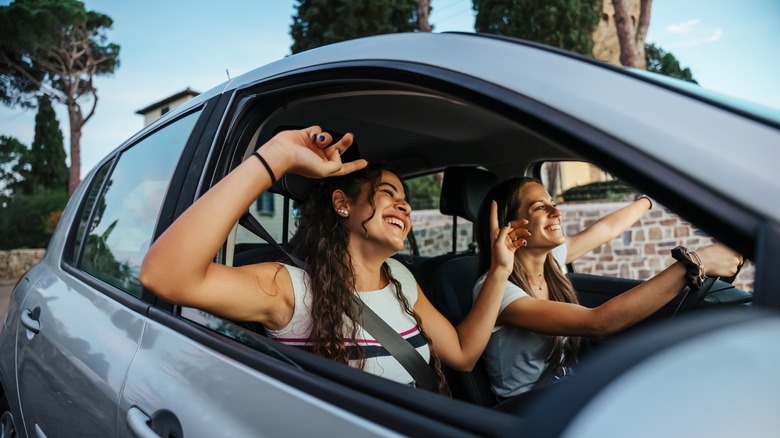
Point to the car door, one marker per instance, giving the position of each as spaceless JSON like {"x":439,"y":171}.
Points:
{"x":198,"y":375}
{"x":84,"y":315}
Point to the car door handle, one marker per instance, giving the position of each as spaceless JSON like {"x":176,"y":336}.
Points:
{"x":30,"y":319}
{"x":138,"y":424}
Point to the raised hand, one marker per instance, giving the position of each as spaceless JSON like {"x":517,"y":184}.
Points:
{"x":506,"y":240}
{"x":312,"y":153}
{"x":719,"y":260}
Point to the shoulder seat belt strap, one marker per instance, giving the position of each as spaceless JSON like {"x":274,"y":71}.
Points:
{"x":396,"y":345}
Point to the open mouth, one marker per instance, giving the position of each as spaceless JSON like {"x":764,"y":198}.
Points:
{"x":397,"y":222}
{"x":555,"y":227}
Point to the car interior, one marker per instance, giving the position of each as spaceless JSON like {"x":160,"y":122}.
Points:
{"x":473,"y":142}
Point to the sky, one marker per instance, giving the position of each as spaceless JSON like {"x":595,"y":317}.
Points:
{"x":167,"y":45}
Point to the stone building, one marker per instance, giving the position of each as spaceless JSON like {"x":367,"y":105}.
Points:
{"x":157,"y":109}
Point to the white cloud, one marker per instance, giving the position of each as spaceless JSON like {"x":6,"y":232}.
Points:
{"x":683,"y":28}
{"x":716,"y":35}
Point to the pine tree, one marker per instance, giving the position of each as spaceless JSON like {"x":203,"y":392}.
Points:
{"x":665,"y":63}
{"x":57,"y":48}
{"x":321,"y":22}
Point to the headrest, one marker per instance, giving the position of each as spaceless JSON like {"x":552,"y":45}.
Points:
{"x":463,"y":189}
{"x":298,"y":187}
{"x":293,"y":186}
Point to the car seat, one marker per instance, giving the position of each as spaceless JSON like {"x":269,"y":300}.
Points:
{"x":462,"y":191}
{"x":451,"y":277}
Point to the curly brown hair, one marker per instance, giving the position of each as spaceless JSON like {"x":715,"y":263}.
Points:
{"x":321,"y":242}
{"x":561,"y":350}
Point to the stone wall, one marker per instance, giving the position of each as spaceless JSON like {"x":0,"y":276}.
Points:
{"x":433,"y":232}
{"x":640,"y":252}
{"x":14,"y":263}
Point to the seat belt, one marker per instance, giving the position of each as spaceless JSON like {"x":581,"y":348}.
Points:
{"x":396,"y":345}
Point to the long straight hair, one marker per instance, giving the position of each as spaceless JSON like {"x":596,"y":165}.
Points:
{"x":560,"y":350}
{"x":321,"y":242}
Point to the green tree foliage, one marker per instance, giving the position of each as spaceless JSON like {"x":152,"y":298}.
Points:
{"x":55,"y":47}
{"x":12,"y":161}
{"x":45,"y":162}
{"x":321,"y":22}
{"x":600,"y":191}
{"x":423,"y":192}
{"x":567,"y":24}
{"x":34,"y":183}
{"x":26,"y":221}
{"x":659,"y":61}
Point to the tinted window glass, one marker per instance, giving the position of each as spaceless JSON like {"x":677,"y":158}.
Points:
{"x":97,"y":183}
{"x":125,"y":215}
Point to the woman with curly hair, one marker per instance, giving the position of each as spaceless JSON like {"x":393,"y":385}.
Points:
{"x":351,"y":224}
{"x":540,"y":322}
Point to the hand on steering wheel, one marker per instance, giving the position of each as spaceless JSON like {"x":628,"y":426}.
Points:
{"x":693,"y":296}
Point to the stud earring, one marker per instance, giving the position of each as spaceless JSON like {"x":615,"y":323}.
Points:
{"x":342,"y":212}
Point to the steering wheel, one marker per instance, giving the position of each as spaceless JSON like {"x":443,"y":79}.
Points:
{"x":693,"y":298}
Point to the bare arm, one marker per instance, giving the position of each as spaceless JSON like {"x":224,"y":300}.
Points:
{"x":606,"y":229}
{"x":179,"y":266}
{"x":460,"y":347}
{"x":556,"y":318}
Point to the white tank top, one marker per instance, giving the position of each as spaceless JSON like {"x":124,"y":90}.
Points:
{"x":383,"y":302}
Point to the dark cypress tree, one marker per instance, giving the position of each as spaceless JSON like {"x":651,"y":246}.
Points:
{"x":567,"y":24}
{"x":34,"y":190}
{"x":46,"y":160}
{"x":321,"y":22}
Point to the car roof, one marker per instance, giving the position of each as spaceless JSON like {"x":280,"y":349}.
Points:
{"x":730,"y":149}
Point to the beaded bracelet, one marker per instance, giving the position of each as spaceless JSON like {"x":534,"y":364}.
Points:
{"x":694,"y":267}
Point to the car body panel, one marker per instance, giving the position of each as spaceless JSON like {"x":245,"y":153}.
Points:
{"x":76,"y":364}
{"x":222,"y":397}
{"x":718,"y":384}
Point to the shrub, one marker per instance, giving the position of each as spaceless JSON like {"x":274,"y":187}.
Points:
{"x":27,"y":221}
{"x":602,"y":191}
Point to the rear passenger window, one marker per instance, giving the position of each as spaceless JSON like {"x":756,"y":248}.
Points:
{"x":123,"y":219}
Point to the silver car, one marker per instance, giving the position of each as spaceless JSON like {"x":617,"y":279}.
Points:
{"x":85,"y":350}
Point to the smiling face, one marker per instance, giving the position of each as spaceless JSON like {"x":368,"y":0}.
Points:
{"x":544,"y":218}
{"x":385,"y":223}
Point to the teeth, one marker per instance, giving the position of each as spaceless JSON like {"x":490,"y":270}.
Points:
{"x":397,"y":222}
{"x":554,"y":227}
